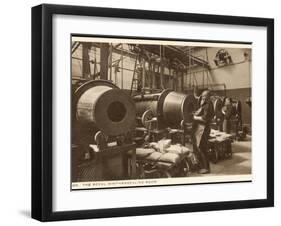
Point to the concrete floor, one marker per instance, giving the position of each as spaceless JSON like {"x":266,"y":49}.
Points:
{"x":240,"y":163}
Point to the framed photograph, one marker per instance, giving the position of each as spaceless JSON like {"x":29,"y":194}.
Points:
{"x":146,"y":112}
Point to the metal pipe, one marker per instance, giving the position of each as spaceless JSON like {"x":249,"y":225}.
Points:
{"x":122,"y":68}
{"x":161,"y":68}
{"x":153,"y":102}
{"x":110,"y":62}
{"x":143,"y":73}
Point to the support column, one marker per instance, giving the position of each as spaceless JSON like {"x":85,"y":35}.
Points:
{"x":86,"y":72}
{"x":104,"y":53}
{"x":161,"y":69}
{"x":182,"y":80}
{"x":153,"y":77}
{"x":110,"y":62}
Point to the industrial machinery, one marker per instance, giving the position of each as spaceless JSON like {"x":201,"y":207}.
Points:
{"x":103,"y":117}
{"x":220,"y":140}
{"x":160,"y":111}
{"x":223,"y":58}
{"x":235,"y":112}
{"x":162,"y":118}
{"x":169,"y":106}
{"x":149,"y":133}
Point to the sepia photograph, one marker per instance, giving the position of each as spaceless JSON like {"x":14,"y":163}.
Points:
{"x":141,"y":112}
{"x":154,"y":112}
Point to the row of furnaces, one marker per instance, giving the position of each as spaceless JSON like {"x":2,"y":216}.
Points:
{"x":118,"y":137}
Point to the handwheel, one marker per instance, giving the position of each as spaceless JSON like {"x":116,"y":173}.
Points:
{"x":146,"y":118}
{"x":100,"y":139}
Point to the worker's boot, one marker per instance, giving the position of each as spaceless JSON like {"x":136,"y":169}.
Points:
{"x":204,"y":171}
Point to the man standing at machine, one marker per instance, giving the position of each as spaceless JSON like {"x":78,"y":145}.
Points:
{"x":227,"y":113}
{"x":201,"y":130}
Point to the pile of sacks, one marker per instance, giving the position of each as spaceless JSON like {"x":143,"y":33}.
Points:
{"x":162,"y":151}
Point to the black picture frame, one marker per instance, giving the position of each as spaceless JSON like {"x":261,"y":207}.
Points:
{"x":42,"y":111}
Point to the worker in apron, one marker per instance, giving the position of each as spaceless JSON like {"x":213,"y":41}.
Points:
{"x":201,"y":130}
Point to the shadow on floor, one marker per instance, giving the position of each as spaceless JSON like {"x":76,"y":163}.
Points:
{"x":25,"y":213}
{"x":240,"y":163}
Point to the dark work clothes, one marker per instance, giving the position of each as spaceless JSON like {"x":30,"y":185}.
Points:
{"x":226,"y":127}
{"x":206,"y":111}
{"x":201,"y":132}
{"x":227,"y":112}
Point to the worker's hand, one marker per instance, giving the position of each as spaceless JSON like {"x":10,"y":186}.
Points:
{"x":196,"y":117}
{"x":199,"y":118}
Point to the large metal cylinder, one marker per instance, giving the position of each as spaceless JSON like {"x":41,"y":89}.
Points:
{"x":153,"y":102}
{"x":178,"y":107}
{"x":103,"y":105}
{"x":170,"y":107}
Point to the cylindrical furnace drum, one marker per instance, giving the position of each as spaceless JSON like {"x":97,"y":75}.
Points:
{"x":153,"y":102}
{"x":104,"y":106}
{"x":170,"y":107}
{"x":178,"y":107}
